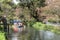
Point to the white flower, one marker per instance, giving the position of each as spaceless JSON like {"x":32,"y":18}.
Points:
{"x":16,"y":1}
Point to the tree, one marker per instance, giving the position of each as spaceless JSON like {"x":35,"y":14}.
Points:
{"x":9,"y":8}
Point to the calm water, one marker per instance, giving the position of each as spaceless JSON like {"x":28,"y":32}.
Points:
{"x":39,"y":35}
{"x":47,"y":35}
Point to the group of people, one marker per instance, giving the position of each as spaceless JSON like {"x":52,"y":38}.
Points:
{"x":17,"y":27}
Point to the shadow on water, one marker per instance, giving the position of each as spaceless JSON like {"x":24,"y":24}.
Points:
{"x":34,"y":34}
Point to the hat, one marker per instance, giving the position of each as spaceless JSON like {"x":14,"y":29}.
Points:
{"x":15,"y":21}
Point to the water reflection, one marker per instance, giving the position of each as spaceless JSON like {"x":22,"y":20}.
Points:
{"x":14,"y":36}
{"x":53,"y":24}
{"x":38,"y":35}
{"x":47,"y":35}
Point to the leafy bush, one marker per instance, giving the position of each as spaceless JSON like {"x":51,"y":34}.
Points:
{"x":1,"y":28}
{"x":2,"y":37}
{"x":41,"y":26}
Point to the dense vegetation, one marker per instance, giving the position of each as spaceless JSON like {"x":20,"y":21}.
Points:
{"x":41,"y":26}
{"x":30,"y":12}
{"x":9,"y":8}
{"x":2,"y":37}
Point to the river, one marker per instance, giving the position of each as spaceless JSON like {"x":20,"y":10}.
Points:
{"x":33,"y":34}
{"x":46,"y":35}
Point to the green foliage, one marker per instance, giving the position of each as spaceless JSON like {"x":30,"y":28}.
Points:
{"x":38,"y":3}
{"x":2,"y":37}
{"x":7,"y":7}
{"x":1,"y":27}
{"x":41,"y":26}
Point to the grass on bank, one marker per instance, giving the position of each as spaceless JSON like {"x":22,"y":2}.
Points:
{"x":41,"y":26}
